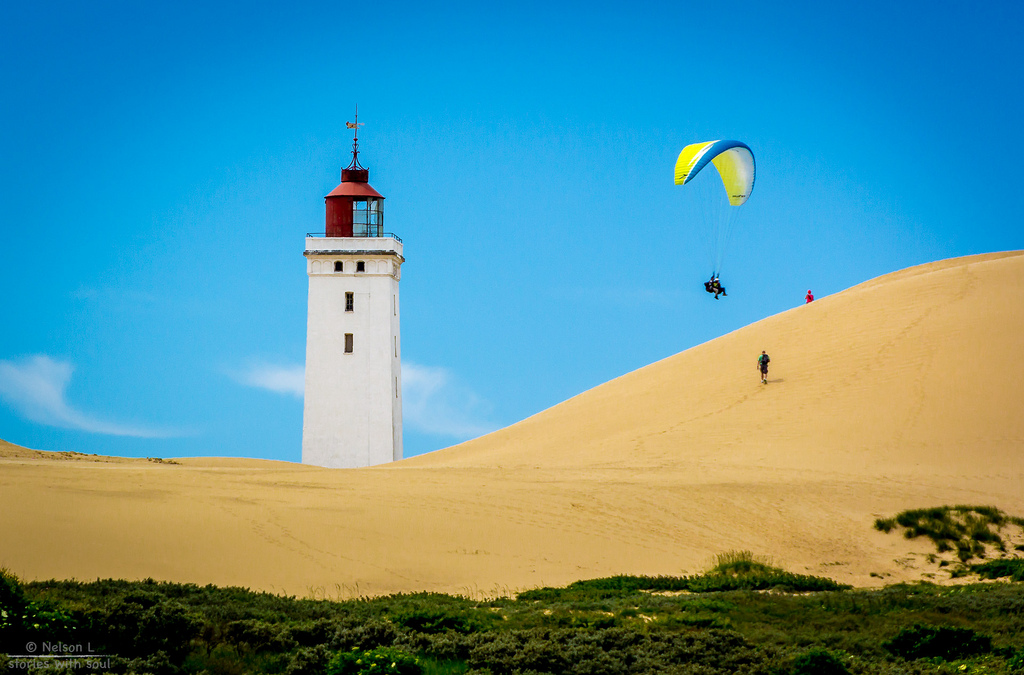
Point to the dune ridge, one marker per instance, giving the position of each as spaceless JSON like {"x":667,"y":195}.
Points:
{"x":901,"y":392}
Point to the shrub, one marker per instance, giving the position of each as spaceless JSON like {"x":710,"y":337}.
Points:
{"x":616,"y":650}
{"x":157,"y":663}
{"x":369,"y":635}
{"x":21,"y":618}
{"x":601,"y":589}
{"x":310,"y":634}
{"x":12,"y":600}
{"x":999,"y":569}
{"x":943,"y":642}
{"x":818,"y":661}
{"x":134,"y":631}
{"x":433,"y":667}
{"x":435,"y":620}
{"x":734,"y":572}
{"x":259,"y":636}
{"x":309,"y":661}
{"x":379,"y":661}
{"x":763,"y":580}
{"x":1016,"y":664}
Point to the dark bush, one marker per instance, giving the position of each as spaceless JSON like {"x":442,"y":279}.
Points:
{"x":1016,"y":664}
{"x":12,"y":598}
{"x":259,"y":636}
{"x":944,"y":642}
{"x":593,"y":652}
{"x":132,"y":631}
{"x":999,"y":569}
{"x":515,"y":651}
{"x":453,"y":646}
{"x":309,"y":661}
{"x":22,"y":620}
{"x":591,"y":590}
{"x":748,"y":577}
{"x":436,"y":620}
{"x":818,"y":661}
{"x":157,"y":663}
{"x":762,"y":581}
{"x":369,"y":635}
{"x":311,"y":633}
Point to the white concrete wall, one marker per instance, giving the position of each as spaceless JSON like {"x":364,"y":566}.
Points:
{"x":353,"y":402}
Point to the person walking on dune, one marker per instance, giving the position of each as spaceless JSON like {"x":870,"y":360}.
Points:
{"x":762,"y":366}
{"x":809,"y":297}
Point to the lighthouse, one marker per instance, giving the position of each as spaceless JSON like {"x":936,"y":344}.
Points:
{"x":352,"y":414}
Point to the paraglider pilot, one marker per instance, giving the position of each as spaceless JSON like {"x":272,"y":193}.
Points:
{"x":715,"y":286}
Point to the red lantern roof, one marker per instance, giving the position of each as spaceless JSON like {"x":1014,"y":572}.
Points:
{"x":354,"y":189}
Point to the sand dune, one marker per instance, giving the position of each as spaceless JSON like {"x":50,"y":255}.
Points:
{"x":904,"y":391}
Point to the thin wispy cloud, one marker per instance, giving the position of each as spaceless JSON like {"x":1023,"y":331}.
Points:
{"x":289,"y":380}
{"x":36,"y":389}
{"x":434,"y":401}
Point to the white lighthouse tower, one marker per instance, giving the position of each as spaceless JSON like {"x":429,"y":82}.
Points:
{"x":353,"y":400}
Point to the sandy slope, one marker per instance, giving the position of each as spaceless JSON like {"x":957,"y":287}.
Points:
{"x":904,"y":391}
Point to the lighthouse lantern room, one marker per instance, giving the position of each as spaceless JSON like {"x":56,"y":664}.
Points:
{"x":352,"y":414}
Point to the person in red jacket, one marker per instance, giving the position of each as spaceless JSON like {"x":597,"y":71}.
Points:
{"x":809,"y":297}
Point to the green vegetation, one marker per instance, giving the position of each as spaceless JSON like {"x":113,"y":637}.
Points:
{"x":967,"y":530}
{"x":944,"y":643}
{"x":737,"y":571}
{"x":378,"y":661}
{"x":1001,"y":569}
{"x":818,"y":661}
{"x":733,"y":619}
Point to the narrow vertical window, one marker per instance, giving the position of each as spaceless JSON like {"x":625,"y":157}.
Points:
{"x":360,"y":266}
{"x":396,"y":345}
{"x":348,"y":343}
{"x":339,"y":266}
{"x":394,"y":304}
{"x":350,"y":302}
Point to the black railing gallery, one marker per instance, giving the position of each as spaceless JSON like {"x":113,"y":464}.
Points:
{"x":370,"y":231}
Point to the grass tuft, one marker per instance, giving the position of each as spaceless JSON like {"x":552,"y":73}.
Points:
{"x":885,"y":524}
{"x":739,"y":563}
{"x":968,"y":530}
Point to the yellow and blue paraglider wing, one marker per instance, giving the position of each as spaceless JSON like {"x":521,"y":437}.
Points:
{"x":733,"y":159}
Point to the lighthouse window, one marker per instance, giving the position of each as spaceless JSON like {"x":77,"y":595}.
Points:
{"x":348,"y":343}
{"x":360,"y":266}
{"x":350,"y":301}
{"x":339,"y":266}
{"x":368,"y":217}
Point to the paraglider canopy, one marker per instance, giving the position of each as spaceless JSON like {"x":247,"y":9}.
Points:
{"x":713,"y":213}
{"x":733,"y":159}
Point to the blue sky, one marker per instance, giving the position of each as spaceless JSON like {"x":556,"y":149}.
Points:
{"x":161,"y":162}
